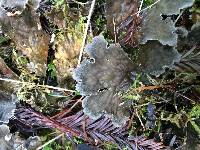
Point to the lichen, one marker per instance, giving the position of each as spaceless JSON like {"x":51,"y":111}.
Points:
{"x":154,"y":27}
{"x":155,"y":57}
{"x":7,"y":105}
{"x":101,"y":77}
{"x":170,"y":7}
{"x":16,"y":7}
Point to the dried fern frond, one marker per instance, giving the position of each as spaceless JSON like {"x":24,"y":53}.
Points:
{"x":189,"y":64}
{"x":101,"y":130}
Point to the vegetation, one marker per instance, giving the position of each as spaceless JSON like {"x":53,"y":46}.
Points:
{"x":131,"y":81}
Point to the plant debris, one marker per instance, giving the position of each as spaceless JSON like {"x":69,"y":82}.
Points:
{"x":101,"y":130}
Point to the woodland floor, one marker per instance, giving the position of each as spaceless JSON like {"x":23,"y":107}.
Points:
{"x":104,"y":74}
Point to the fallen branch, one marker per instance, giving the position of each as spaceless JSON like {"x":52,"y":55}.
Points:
{"x":36,"y":85}
{"x":152,"y":87}
{"x":63,"y":113}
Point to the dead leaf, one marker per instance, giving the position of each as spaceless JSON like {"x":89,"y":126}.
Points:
{"x":119,"y":11}
{"x":29,"y":38}
{"x":66,"y":57}
{"x":67,"y":42}
{"x":6,"y":72}
{"x":123,"y":21}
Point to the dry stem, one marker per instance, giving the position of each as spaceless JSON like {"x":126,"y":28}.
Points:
{"x":36,"y":85}
{"x":86,"y":30}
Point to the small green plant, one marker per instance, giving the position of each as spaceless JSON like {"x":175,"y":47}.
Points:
{"x":60,"y":144}
{"x":110,"y":146}
{"x":77,"y":93}
{"x":56,"y":146}
{"x":21,"y":61}
{"x":77,"y":140}
{"x":194,"y":114}
{"x":148,"y":2}
{"x":130,"y":95}
{"x":57,"y":3}
{"x":3,"y":40}
{"x":48,"y":147}
{"x":52,"y":70}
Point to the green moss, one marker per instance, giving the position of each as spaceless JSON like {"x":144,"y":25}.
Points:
{"x":148,"y":2}
{"x":4,"y":40}
{"x":57,"y":3}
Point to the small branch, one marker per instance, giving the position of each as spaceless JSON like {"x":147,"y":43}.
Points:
{"x":80,"y":3}
{"x":179,"y":16}
{"x":152,"y":87}
{"x":130,"y":121}
{"x":63,"y":113}
{"x":147,"y":7}
{"x":179,"y":94}
{"x":86,"y":30}
{"x":50,"y":141}
{"x":114,"y":25}
{"x":136,"y":112}
{"x":141,"y":4}
{"x":84,"y":123}
{"x":189,"y":52}
{"x":36,"y":85}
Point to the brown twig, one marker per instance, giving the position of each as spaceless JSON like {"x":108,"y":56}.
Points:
{"x":84,"y":123}
{"x":66,"y":111}
{"x":151,"y":87}
{"x":130,"y":121}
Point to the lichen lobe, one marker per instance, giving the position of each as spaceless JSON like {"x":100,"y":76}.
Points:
{"x":101,"y":78}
